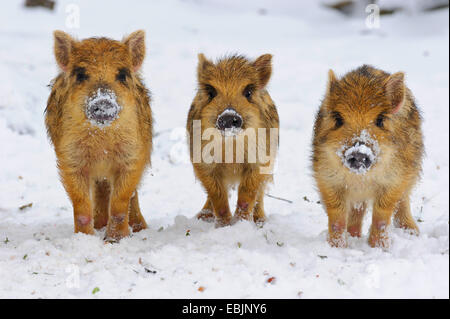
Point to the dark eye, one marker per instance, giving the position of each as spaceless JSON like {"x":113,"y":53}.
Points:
{"x":339,"y":121}
{"x":123,"y":75}
{"x":210,"y":91}
{"x":380,"y":120}
{"x":248,"y":91}
{"x":80,"y":74}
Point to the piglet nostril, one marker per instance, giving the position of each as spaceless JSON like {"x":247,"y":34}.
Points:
{"x":352,"y":161}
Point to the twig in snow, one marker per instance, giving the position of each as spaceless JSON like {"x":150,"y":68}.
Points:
{"x":280,"y":198}
{"x":25,"y":206}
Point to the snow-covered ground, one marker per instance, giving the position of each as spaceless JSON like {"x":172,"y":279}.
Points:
{"x":179,"y":256}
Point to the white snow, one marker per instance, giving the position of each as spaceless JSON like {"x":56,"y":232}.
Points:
{"x":41,"y":257}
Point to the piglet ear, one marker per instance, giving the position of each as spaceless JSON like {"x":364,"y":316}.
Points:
{"x":203,"y":65}
{"x":263,"y":65}
{"x":136,"y":45}
{"x":395,"y":90}
{"x":63,"y":48}
{"x":332,"y":81}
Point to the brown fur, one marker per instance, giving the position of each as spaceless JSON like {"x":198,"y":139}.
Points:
{"x":101,"y":168}
{"x":230,"y":76}
{"x":360,"y":97}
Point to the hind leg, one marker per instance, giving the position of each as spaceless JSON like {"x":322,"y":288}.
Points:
{"x":259,"y":217}
{"x":135,"y":219}
{"x":403,"y":218}
{"x":206,"y":214}
{"x":101,"y":203}
{"x":355,"y":219}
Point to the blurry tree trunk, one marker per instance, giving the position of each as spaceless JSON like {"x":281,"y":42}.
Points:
{"x":357,"y":7}
{"x":49,"y":4}
{"x":349,"y":7}
{"x":436,"y":5}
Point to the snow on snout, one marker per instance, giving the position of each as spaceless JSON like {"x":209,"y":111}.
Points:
{"x":358,"y":148}
{"x":233,"y":131}
{"x":102,"y":107}
{"x":363,"y":144}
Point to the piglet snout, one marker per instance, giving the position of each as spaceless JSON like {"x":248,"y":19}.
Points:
{"x":103,"y":110}
{"x":102,"y":107}
{"x":359,"y":157}
{"x":359,"y":160}
{"x":229,"y":120}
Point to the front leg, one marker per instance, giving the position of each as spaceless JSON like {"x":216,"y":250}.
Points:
{"x":251,"y":186}
{"x":77,"y":187}
{"x":383,"y":209}
{"x":118,"y":222}
{"x":336,"y":207}
{"x":83,"y":216}
{"x":217,"y":195}
{"x":117,"y":227}
{"x":259,"y":217}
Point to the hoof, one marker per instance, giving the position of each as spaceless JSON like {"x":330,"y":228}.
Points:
{"x":354,"y":231}
{"x":379,"y":237}
{"x":259,"y":222}
{"x":410,"y":228}
{"x":223,"y":222}
{"x":114,"y":236}
{"x":138,"y":227}
{"x":337,"y":240}
{"x":206,"y":215}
